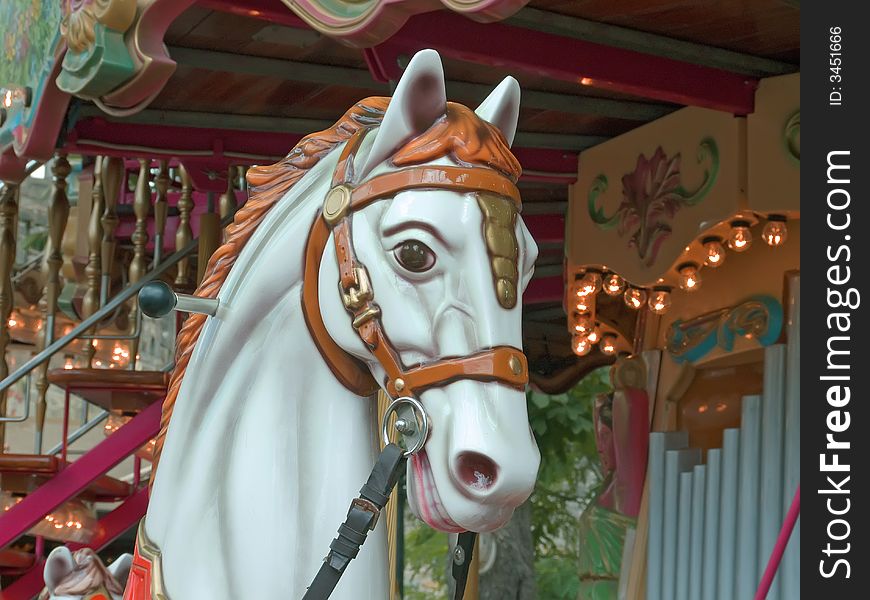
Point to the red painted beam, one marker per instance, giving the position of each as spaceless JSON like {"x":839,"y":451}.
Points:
{"x":125,"y":516}
{"x":544,"y":289}
{"x":95,"y":135}
{"x":220,"y":148}
{"x":550,"y":166}
{"x":546,"y":228}
{"x":566,"y":59}
{"x":72,"y":480}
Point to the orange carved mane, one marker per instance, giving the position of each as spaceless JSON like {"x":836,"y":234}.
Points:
{"x":460,"y":134}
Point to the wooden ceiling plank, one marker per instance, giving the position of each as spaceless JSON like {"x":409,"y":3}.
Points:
{"x":648,"y":43}
{"x":335,"y":75}
{"x":591,"y":64}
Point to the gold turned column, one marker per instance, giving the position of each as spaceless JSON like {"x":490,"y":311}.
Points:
{"x":141,"y":207}
{"x":184,"y":233}
{"x":112,"y":177}
{"x":58,"y":213}
{"x":93,"y":270}
{"x":228,"y":204}
{"x":161,"y":206}
{"x":8,"y":227}
{"x":209,"y":238}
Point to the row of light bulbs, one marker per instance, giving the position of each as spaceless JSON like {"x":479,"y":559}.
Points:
{"x":586,"y":332}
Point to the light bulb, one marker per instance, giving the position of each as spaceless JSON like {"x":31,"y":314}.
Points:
{"x":635,"y":298}
{"x":580,"y":345}
{"x":740,"y":238}
{"x":583,"y":325}
{"x":690,"y":279}
{"x":613,"y":285}
{"x":714,"y":251}
{"x":590,"y":284}
{"x":594,"y":335}
{"x":660,"y":301}
{"x":585,"y":303}
{"x":775,"y":233}
{"x":608,"y":344}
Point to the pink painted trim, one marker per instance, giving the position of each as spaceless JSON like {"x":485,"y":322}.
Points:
{"x":37,"y":140}
{"x":376,"y":24}
{"x":546,"y":228}
{"x":576,"y":61}
{"x":794,"y":512}
{"x":544,"y":289}
{"x":79,"y":474}
{"x":126,"y":515}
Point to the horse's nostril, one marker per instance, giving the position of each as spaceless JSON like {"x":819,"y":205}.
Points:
{"x":476,"y":471}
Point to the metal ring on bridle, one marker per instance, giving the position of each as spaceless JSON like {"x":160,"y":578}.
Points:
{"x":407,"y":409}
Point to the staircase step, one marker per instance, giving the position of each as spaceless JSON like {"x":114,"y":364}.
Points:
{"x":74,"y":479}
{"x":22,"y":473}
{"x":113,"y":389}
{"x":125,"y":516}
{"x":15,"y":560}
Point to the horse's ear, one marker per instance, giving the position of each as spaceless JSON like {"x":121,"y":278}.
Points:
{"x":502,"y":108}
{"x":418,"y":101}
{"x":58,"y":565}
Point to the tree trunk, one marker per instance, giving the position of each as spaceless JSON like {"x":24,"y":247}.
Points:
{"x":512,"y":574}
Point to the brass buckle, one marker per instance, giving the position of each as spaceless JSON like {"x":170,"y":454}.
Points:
{"x":354,"y":297}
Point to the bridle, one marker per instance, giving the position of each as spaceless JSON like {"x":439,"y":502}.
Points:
{"x":503,"y":364}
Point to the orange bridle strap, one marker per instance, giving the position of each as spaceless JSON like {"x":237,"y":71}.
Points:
{"x":503,"y":364}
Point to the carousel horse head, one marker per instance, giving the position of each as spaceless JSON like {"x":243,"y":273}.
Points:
{"x":81,"y":575}
{"x":446,"y":256}
{"x":398,"y":233}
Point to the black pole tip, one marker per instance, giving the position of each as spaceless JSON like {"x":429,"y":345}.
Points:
{"x":156,"y":299}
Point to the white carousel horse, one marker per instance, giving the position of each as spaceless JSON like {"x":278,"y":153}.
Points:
{"x":80,"y":575}
{"x":267,"y":444}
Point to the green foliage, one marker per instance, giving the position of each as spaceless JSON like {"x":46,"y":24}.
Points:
{"x":557,"y":578}
{"x":568,"y":479}
{"x":35,"y":242}
{"x":425,"y":561}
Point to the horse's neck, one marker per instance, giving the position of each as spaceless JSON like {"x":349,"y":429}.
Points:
{"x":265,"y":448}
{"x":262,"y":466}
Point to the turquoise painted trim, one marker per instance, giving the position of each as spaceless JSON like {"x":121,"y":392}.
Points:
{"x":98,"y":70}
{"x":723,"y":331}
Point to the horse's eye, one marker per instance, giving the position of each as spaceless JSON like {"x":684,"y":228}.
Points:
{"x":414,"y":255}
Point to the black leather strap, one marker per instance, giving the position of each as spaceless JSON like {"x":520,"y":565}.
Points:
{"x":361,"y":518}
{"x":460,"y":568}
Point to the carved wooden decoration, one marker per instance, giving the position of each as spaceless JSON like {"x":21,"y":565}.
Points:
{"x":8,"y":226}
{"x":184,"y":233}
{"x":228,"y":202}
{"x":161,"y":207}
{"x":93,"y":270}
{"x":138,"y":265}
{"x":58,"y":213}
{"x":112,"y":178}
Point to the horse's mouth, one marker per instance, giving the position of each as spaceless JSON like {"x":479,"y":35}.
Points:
{"x":426,"y":502}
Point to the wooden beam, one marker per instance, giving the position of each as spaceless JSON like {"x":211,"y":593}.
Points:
{"x":584,"y":63}
{"x":650,"y":43}
{"x":290,"y":70}
{"x":295,"y":125}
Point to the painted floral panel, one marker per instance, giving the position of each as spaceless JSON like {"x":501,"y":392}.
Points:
{"x":28,"y":31}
